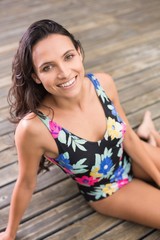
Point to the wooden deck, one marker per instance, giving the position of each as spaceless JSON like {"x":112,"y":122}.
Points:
{"x":121,"y":37}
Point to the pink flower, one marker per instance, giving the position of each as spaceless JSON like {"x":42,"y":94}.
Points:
{"x":54,"y":129}
{"x":123,"y":128}
{"x":122,"y":182}
{"x":88,"y":181}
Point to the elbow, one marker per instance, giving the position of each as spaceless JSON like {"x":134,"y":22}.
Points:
{"x":28,"y":184}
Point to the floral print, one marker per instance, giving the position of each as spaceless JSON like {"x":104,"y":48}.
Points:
{"x":99,"y":168}
{"x":64,"y":162}
{"x":122,"y":182}
{"x":114,"y":128}
{"x":105,"y":166}
{"x":95,"y":172}
{"x":114,"y":112}
{"x":87,"y":181}
{"x":54,"y":129}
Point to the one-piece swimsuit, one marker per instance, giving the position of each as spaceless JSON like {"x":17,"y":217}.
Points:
{"x":99,"y":168}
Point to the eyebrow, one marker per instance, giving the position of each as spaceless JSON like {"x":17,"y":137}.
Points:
{"x":45,"y":63}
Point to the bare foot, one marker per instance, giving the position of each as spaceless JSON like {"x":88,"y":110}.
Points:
{"x":146,"y":127}
{"x":152,"y":140}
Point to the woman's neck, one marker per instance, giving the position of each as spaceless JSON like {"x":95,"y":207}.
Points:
{"x":71,"y":103}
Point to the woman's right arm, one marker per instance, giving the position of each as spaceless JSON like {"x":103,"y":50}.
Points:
{"x":29,"y":151}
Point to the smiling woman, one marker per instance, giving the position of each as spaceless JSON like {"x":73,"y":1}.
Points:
{"x":58,"y":66}
{"x":74,"y":119}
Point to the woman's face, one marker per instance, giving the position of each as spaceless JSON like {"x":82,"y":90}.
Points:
{"x":58,"y":66}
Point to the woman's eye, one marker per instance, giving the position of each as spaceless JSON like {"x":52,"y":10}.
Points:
{"x":70,"y":56}
{"x":47,"y":68}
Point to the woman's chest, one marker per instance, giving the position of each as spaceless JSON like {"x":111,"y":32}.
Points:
{"x":90,"y":124}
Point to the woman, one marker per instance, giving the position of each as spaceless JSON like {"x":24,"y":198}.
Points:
{"x":75,"y":121}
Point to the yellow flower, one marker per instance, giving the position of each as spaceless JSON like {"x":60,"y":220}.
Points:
{"x":94,"y":173}
{"x":113,"y":128}
{"x":109,"y":188}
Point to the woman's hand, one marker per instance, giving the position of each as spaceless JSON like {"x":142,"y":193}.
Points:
{"x":5,"y":236}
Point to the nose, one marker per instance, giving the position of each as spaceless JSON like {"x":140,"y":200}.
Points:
{"x":63,"y":71}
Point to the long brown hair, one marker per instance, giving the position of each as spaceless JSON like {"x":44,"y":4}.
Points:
{"x":25,"y":95}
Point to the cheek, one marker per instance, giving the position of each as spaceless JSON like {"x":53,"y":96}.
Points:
{"x":47,"y":81}
{"x":47,"y":78}
{"x":79,"y":65}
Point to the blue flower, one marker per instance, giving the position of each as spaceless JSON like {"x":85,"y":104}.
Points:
{"x":118,"y":174}
{"x":64,"y":162}
{"x":114,"y":112}
{"x":105,"y":166}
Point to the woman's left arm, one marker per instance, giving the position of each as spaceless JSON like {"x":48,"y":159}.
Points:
{"x":132,"y":144}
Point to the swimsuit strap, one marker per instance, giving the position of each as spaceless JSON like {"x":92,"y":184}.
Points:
{"x":99,"y":89}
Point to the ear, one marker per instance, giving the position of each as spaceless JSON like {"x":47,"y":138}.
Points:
{"x":35,"y":78}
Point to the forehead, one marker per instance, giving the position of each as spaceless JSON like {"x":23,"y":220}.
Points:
{"x":53,"y":43}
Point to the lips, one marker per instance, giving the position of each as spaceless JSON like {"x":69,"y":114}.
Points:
{"x":68,"y":83}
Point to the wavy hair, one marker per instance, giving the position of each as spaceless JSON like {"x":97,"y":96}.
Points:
{"x":25,"y":95}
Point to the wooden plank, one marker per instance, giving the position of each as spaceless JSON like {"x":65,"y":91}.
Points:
{"x":145,"y":75}
{"x":3,"y":102}
{"x":157,"y":123}
{"x":4,"y":82}
{"x":6,"y":142}
{"x":9,"y":174}
{"x":87,"y":228}
{"x":153,"y":236}
{"x":136,"y":117}
{"x":8,"y":156}
{"x":46,"y":200}
{"x":8,"y":47}
{"x":6,"y":127}
{"x":143,"y":88}
{"x":126,"y":231}
{"x":126,"y":43}
{"x":4,"y":114}
{"x":44,"y":180}
{"x":54,"y":219}
{"x":141,"y":101}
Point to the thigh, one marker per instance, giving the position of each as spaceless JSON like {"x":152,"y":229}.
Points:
{"x":137,"y":202}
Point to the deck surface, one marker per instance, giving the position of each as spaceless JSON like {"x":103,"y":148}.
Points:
{"x":121,"y":37}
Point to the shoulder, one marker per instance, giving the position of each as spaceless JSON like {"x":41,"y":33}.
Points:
{"x":29,"y":145}
{"x":28,"y":124}
{"x":107,"y":83}
{"x":27,"y":130}
{"x":103,"y":78}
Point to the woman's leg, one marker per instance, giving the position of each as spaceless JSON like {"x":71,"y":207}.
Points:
{"x":137,"y":201}
{"x":148,"y":131}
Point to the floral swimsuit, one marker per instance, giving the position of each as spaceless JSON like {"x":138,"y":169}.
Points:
{"x":99,"y":168}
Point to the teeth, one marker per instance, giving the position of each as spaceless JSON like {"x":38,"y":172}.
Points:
{"x":67,"y":84}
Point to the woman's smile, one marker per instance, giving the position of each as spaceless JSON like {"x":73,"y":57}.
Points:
{"x":69,"y":83}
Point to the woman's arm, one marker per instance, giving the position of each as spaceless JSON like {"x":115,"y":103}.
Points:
{"x":29,"y":155}
{"x":132,"y":144}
